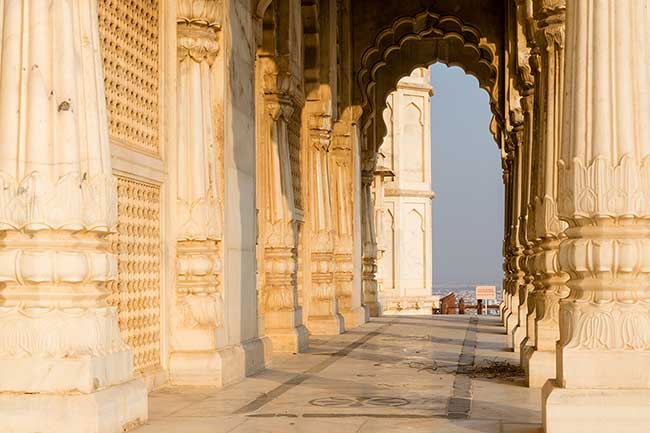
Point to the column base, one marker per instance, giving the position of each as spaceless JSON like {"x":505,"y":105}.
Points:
{"x":505,"y":313}
{"x":518,"y":335}
{"x":374,"y":309}
{"x":511,"y":323}
{"x":525,"y":352}
{"x":81,"y":374}
{"x":219,"y":367}
{"x":595,"y":410}
{"x":154,"y":379}
{"x":355,"y":317}
{"x":115,"y":409}
{"x":293,"y":340}
{"x":326,"y":325}
{"x":216,"y":368}
{"x":540,"y":367}
{"x":258,"y":354}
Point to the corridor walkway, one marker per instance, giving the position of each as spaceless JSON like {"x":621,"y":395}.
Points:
{"x":443,"y":374}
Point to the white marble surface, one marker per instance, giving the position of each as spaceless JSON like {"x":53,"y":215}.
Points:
{"x":391,"y":374}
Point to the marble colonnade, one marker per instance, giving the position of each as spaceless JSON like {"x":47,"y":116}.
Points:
{"x":187,"y":186}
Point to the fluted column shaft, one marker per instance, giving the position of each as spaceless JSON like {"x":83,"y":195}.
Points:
{"x":506,"y":163}
{"x":279,"y":225}
{"x":516,"y":250}
{"x":341,"y":166}
{"x":369,"y":253}
{"x":324,"y":315}
{"x":198,"y":314}
{"x":521,"y":331}
{"x":547,"y":228}
{"x":60,"y":345}
{"x":604,"y":196}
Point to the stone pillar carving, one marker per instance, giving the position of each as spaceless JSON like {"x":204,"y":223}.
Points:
{"x":506,"y":165}
{"x":515,"y":249}
{"x":521,"y":331}
{"x":342,"y":208}
{"x":197,"y":313}
{"x":63,"y":363}
{"x":602,"y":380}
{"x":548,"y":66}
{"x":324,"y":316}
{"x":369,"y":253}
{"x":283,"y":320}
{"x":524,"y":84}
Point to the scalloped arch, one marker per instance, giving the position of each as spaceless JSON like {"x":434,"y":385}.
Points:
{"x":419,"y":41}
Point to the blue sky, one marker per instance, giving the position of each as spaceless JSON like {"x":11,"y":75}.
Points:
{"x":466,"y":177}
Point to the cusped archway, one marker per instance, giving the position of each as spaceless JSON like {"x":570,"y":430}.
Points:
{"x":419,"y":41}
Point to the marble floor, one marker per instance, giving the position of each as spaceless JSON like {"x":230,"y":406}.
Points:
{"x":441,"y":374}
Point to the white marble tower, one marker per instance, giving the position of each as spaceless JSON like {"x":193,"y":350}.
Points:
{"x":404,"y":198}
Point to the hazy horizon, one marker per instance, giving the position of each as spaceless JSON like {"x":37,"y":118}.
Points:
{"x":466,"y":177}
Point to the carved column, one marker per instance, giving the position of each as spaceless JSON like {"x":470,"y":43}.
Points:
{"x":550,"y":283}
{"x":63,"y":363}
{"x":342,"y":209}
{"x":506,"y":165}
{"x":197,"y":313}
{"x":525,"y":339}
{"x":527,"y":243}
{"x":324,"y":316}
{"x":369,"y":253}
{"x":516,"y":250}
{"x":602,"y":381}
{"x":278,"y":216}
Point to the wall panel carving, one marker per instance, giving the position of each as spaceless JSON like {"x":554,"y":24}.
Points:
{"x":136,"y":293}
{"x":129,"y":34}
{"x":414,"y":239}
{"x":413,"y":140}
{"x":388,"y":259}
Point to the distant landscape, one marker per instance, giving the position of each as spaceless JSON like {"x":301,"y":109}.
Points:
{"x":465,"y":291}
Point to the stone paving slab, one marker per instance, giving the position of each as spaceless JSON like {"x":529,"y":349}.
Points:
{"x":393,"y":374}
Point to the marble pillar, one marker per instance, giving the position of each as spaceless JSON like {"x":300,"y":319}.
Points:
{"x":547,"y":228}
{"x":506,"y":166}
{"x":515,"y":250}
{"x":341,"y":166}
{"x":324,"y":315}
{"x":521,"y":335}
{"x":200,"y":354}
{"x":63,"y":363}
{"x":283,"y":321}
{"x":369,"y":251}
{"x":602,"y":382}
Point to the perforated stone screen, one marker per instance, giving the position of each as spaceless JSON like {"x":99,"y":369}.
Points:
{"x":137,"y":292}
{"x":129,"y":32}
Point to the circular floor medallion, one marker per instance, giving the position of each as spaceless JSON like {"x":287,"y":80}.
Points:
{"x":387,"y":401}
{"x":335,"y":402}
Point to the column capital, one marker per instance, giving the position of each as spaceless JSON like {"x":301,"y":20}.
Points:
{"x":278,"y":105}
{"x":367,"y":177}
{"x":548,"y":9}
{"x":551,"y":25}
{"x":198,"y":22}
{"x":342,"y":138}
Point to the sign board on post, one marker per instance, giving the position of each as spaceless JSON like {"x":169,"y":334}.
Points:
{"x":487,"y":293}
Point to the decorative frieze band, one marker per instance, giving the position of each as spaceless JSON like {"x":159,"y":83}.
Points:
{"x":76,"y":201}
{"x":606,"y":326}
{"x":604,"y":188}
